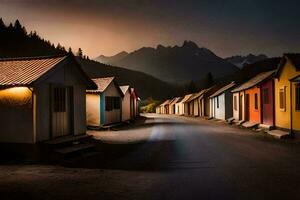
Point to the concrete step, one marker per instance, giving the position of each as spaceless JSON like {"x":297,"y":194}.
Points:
{"x":74,"y":148}
{"x":230,"y":120}
{"x":265,"y":127}
{"x":68,"y":139}
{"x":239,"y":122}
{"x":279,"y":134}
{"x":250,"y":124}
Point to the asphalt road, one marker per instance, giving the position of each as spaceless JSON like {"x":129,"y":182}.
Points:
{"x":171,"y":158}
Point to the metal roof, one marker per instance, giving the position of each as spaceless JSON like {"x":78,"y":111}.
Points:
{"x":24,"y":71}
{"x":223,"y":89}
{"x":254,"y":81}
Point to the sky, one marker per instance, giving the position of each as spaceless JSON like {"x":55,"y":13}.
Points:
{"x":227,"y":27}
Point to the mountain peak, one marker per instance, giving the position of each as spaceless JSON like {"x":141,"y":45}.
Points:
{"x":190,"y":44}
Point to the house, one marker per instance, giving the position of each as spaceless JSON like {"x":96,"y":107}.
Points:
{"x":221,"y":103}
{"x":164,"y":107}
{"x":129,"y":103}
{"x":172,"y":105}
{"x":195,"y":103}
{"x":42,"y":98}
{"x":204,"y":101}
{"x":189,"y":106}
{"x":134,"y":103}
{"x":157,"y":110}
{"x":253,"y":101}
{"x":180,"y":105}
{"x":287,"y":93}
{"x":104,"y":104}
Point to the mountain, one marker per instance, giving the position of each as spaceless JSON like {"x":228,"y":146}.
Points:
{"x":178,"y":64}
{"x":241,"y":61}
{"x":107,"y":60}
{"x":146,"y":85}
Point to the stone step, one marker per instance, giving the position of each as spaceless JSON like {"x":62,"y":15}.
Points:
{"x":250,"y":124}
{"x":230,"y":120}
{"x":279,"y":134}
{"x":265,"y":127}
{"x":74,"y":148}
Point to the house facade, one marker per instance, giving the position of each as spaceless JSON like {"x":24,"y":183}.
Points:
{"x":287,"y":108}
{"x":104,"y":104}
{"x":42,"y":98}
{"x":180,"y":106}
{"x":221,"y":103}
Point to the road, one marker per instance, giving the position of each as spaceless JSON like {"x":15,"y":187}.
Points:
{"x":171,"y":158}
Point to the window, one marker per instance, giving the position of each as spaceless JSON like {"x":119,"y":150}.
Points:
{"x":235,"y":102}
{"x":59,"y":99}
{"x":218,"y":102}
{"x":282,"y":99}
{"x":112,"y":103}
{"x":265,"y":95}
{"x":256,"y":101}
{"x":298,"y":97}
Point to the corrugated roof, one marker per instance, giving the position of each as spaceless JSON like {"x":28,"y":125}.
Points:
{"x":124,"y":88}
{"x":254,"y":81}
{"x":223,"y":89}
{"x":102,"y":84}
{"x":24,"y":71}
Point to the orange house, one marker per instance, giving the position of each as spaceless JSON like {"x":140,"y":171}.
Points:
{"x":252,"y":97}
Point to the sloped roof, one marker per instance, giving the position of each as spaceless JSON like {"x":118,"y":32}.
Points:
{"x":166,"y":102}
{"x":102,"y":84}
{"x":25,"y":71}
{"x":124,"y":88}
{"x":180,"y":99}
{"x":185,"y":98}
{"x":255,"y":81}
{"x":293,"y":57}
{"x":175,"y":100}
{"x":223,"y":89}
{"x":197,"y":95}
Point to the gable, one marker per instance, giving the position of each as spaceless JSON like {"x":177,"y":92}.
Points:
{"x":113,"y":90}
{"x":287,"y":71}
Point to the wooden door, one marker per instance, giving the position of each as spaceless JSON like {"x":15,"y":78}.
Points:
{"x":61,"y":111}
{"x":247,"y":107}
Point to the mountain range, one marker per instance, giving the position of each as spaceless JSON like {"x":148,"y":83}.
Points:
{"x":242,"y":61}
{"x":176,"y":64}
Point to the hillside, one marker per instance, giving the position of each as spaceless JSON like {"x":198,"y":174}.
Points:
{"x":147,"y":86}
{"x":178,"y":64}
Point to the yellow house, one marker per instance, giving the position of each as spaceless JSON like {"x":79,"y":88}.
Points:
{"x":287,"y":93}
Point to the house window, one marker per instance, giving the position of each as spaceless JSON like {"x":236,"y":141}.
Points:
{"x":235,"y":102}
{"x":112,"y":103}
{"x":217,"y":102}
{"x":265,"y":95}
{"x":298,"y":97}
{"x":59,"y":99}
{"x":282,"y":99}
{"x":256,"y":101}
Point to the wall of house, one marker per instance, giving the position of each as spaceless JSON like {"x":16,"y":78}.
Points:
{"x":296,"y":114}
{"x":268,"y":108}
{"x":16,"y":115}
{"x":196,"y":107}
{"x":235,"y":110}
{"x":283,"y":116}
{"x":113,"y":116}
{"x":242,"y":105}
{"x":206,"y":106}
{"x":126,"y":107}
{"x":219,"y":112}
{"x":211,"y":110}
{"x":254,"y":114}
{"x":191,"y":108}
{"x":228,"y":105}
{"x":93,"y":109}
{"x":67,"y":76}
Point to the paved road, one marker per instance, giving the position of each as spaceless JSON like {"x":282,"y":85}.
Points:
{"x":178,"y":159}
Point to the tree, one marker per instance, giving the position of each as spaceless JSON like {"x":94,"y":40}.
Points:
{"x":79,"y":53}
{"x":70,"y":50}
{"x":191,"y":87}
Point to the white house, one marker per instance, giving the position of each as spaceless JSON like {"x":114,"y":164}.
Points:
{"x":42,"y":98}
{"x":104,"y":103}
{"x":221,"y":103}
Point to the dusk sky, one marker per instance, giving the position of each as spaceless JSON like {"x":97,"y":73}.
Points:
{"x":227,"y":27}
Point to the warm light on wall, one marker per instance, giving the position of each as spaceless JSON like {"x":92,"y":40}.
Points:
{"x":16,"y":96}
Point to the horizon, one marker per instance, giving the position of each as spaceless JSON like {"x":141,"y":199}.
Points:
{"x":109,"y":27}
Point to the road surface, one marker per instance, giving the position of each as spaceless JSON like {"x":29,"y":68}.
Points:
{"x":167,"y":158}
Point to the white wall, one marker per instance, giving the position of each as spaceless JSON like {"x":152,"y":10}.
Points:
{"x":113,"y":116}
{"x":126,"y":106}
{"x":219,"y":111}
{"x":196,"y":107}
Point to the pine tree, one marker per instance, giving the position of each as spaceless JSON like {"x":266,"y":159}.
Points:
{"x":79,"y":53}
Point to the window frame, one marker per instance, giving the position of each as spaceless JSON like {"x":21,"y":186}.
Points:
{"x":282,"y":103}
{"x":297,"y":97}
{"x":256,"y":101}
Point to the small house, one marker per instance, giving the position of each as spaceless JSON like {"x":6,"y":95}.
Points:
{"x":221,"y":103}
{"x":252,"y":98}
{"x":172,"y":106}
{"x":129,"y":103}
{"x":189,"y":106}
{"x":180,"y":110}
{"x":164,"y":107}
{"x":204,"y":101}
{"x":287,"y":93}
{"x":104,"y":104}
{"x":42,"y":98}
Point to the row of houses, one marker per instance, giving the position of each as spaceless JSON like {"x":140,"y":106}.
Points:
{"x":270,"y":99}
{"x":44,"y":98}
